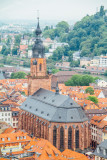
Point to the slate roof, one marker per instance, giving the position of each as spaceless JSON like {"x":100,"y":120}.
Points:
{"x":102,"y":146}
{"x":54,"y":107}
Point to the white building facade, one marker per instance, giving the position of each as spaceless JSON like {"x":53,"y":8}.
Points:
{"x":6,"y":114}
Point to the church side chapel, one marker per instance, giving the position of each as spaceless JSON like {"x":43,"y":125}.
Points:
{"x":50,"y":115}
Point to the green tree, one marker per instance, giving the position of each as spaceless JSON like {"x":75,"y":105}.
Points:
{"x":75,"y":63}
{"x":5,"y":50}
{"x":60,"y":30}
{"x":86,"y":80}
{"x":105,"y":73}
{"x":105,"y":18}
{"x":26,"y":63}
{"x":90,"y":90}
{"x":55,"y":71}
{"x":8,"y":42}
{"x":46,"y":49}
{"x":17,"y":40}
{"x":58,"y":53}
{"x":102,"y":12}
{"x":46,"y":28}
{"x":49,"y":33}
{"x":93,"y":99}
{"x":14,"y":51}
{"x":80,"y":80}
{"x":63,"y":26}
{"x":88,"y":35}
{"x":18,"y":75}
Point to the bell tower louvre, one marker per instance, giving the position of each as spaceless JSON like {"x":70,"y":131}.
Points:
{"x":38,"y":77}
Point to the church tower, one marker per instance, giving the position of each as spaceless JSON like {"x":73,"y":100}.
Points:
{"x":38,"y":73}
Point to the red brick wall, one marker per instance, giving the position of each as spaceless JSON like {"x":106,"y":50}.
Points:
{"x":38,"y":79}
{"x":41,"y":128}
{"x":40,"y":82}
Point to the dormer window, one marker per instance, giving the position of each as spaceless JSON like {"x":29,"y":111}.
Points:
{"x":24,"y":137}
{"x":2,"y":139}
{"x":50,"y":155}
{"x":8,"y":138}
{"x":32,"y":146}
{"x":98,"y":150}
{"x":104,"y":151}
{"x":17,"y":138}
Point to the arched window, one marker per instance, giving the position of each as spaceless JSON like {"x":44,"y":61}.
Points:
{"x":40,"y":129}
{"x":77,"y":138}
{"x":61,"y":138}
{"x":85,"y":139}
{"x":69,"y":138}
{"x":40,"y":67}
{"x":54,"y":135}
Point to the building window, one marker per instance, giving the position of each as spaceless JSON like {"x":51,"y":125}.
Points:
{"x":69,"y":138}
{"x":54,"y":135}
{"x":77,"y":138}
{"x":40,"y":67}
{"x":61,"y":138}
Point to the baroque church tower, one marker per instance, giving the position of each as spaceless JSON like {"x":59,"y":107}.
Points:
{"x":38,"y":75}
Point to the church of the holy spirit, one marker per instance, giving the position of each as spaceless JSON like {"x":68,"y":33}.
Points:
{"x":49,"y":115}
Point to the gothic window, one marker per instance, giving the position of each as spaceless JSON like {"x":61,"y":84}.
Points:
{"x":61,"y":138}
{"x":54,"y":135}
{"x":40,"y":67}
{"x":85,"y":140}
{"x":77,"y":138}
{"x":40,"y":129}
{"x":69,"y":138}
{"x":46,"y":135}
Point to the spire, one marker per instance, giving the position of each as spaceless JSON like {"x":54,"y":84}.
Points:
{"x":38,"y":48}
{"x":38,"y":23}
{"x":38,"y":30}
{"x":57,"y":88}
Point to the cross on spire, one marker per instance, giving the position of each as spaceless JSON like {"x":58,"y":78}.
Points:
{"x":38,"y":15}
